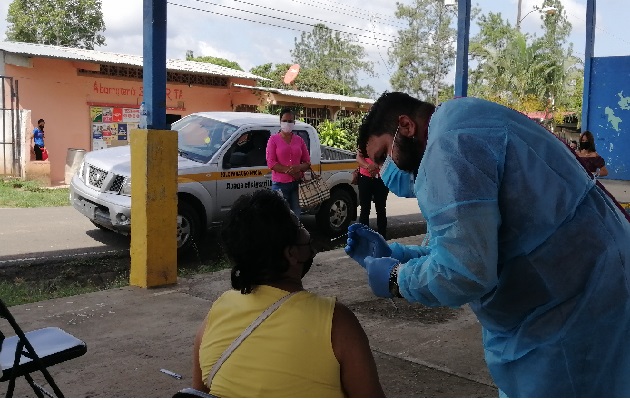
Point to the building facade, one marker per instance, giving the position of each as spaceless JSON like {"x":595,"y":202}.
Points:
{"x":90,"y":100}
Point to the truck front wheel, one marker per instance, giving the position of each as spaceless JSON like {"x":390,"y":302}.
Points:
{"x":335,"y":213}
{"x":188,"y":227}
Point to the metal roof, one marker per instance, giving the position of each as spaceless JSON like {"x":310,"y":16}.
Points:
{"x":310,"y":95}
{"x":75,"y":54}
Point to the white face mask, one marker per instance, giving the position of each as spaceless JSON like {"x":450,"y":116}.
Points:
{"x":287,"y":126}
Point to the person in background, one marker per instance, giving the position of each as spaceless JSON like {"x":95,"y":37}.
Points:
{"x":593,"y":162}
{"x":37,"y":138}
{"x":371,"y":187}
{"x":516,"y":230}
{"x":573,"y":144}
{"x":311,"y":346}
{"x":287,"y":158}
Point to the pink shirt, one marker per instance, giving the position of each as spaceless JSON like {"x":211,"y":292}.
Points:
{"x":281,"y":152}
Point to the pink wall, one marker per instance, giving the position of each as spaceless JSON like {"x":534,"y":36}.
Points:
{"x":53,"y":90}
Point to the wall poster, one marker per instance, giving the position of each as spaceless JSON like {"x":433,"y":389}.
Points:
{"x":111,"y":125}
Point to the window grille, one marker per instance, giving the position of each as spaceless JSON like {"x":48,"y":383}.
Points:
{"x":121,"y":71}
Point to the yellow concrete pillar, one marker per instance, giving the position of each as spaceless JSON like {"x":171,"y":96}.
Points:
{"x":153,"y":207}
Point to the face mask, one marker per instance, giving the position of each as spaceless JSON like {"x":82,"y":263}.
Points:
{"x":584,"y":145}
{"x":287,"y":127}
{"x":399,"y":182}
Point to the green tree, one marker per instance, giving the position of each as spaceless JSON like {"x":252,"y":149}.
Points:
{"x":512,"y":74}
{"x":273,"y":72}
{"x":526,"y":73}
{"x":559,"y":54}
{"x":331,"y":63}
{"x":213,"y":60}
{"x":423,"y":52}
{"x":341,"y":133}
{"x":71,"y":23}
{"x":309,"y":80}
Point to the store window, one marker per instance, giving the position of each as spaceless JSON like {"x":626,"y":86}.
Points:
{"x":310,"y":115}
{"x":246,"y":108}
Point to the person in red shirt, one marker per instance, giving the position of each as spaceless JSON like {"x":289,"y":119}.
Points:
{"x":593,"y":162}
{"x":372,"y":188}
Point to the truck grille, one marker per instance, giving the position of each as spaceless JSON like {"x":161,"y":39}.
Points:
{"x":96,"y":176}
{"x":117,"y":184}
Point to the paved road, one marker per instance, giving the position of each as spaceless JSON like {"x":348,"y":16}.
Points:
{"x":45,"y":234}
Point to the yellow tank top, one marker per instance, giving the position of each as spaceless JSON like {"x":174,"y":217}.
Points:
{"x":289,"y":355}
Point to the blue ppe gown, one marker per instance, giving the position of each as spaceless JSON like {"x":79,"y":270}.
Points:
{"x":521,"y":232}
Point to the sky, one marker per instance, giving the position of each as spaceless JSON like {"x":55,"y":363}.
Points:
{"x":255,"y":32}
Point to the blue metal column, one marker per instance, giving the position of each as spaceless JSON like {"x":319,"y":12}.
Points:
{"x":589,"y":52}
{"x":463,"y":34}
{"x":154,"y":55}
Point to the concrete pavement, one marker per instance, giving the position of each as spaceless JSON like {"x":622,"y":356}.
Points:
{"x":132,"y":333}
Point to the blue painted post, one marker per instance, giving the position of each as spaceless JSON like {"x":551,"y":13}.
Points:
{"x":463,"y":34}
{"x":154,"y":62}
{"x":153,"y":246}
{"x":589,"y":52}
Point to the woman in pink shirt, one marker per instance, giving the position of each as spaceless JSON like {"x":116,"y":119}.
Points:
{"x":288,"y":158}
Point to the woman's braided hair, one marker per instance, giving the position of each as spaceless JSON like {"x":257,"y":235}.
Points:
{"x":259,"y":227}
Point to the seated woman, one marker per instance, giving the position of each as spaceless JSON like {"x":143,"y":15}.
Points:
{"x":311,"y":346}
{"x":593,"y":162}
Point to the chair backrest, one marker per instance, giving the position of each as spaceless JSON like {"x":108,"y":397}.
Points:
{"x":53,"y":346}
{"x":6,"y":314}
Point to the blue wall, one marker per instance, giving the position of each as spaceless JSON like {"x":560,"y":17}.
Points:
{"x":609,"y":113}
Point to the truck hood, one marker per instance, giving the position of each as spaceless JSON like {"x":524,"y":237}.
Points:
{"x":118,"y":160}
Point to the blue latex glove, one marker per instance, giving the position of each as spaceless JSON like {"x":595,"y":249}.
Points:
{"x":364,"y":242}
{"x":378,"y":270}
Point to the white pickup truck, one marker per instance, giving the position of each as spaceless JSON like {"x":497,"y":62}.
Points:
{"x":221,"y":157}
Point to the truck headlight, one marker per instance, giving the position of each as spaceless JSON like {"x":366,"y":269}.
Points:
{"x":81,"y":171}
{"x":126,"y":187}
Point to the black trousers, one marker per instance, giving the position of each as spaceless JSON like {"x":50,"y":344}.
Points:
{"x":38,"y":152}
{"x":373,"y":189}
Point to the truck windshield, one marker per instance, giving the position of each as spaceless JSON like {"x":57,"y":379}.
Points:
{"x":199,"y":138}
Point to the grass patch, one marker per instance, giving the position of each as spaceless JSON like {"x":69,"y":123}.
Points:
{"x":15,"y":193}
{"x":213,"y":266}
{"x":31,"y":285}
{"x":23,"y":292}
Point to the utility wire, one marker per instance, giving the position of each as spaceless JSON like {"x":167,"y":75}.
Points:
{"x":278,"y":18}
{"x":277,"y":26}
{"x":284,"y":12}
{"x":599,"y":28}
{"x":368,"y":15}
{"x":339,"y":12}
{"x":378,"y":50}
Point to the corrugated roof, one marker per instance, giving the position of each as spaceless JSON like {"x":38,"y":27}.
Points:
{"x":310,"y":95}
{"x":74,"y":54}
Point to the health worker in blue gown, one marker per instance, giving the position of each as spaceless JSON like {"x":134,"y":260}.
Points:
{"x":518,"y":230}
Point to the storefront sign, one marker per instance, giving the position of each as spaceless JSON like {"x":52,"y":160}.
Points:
{"x":134,"y":91}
